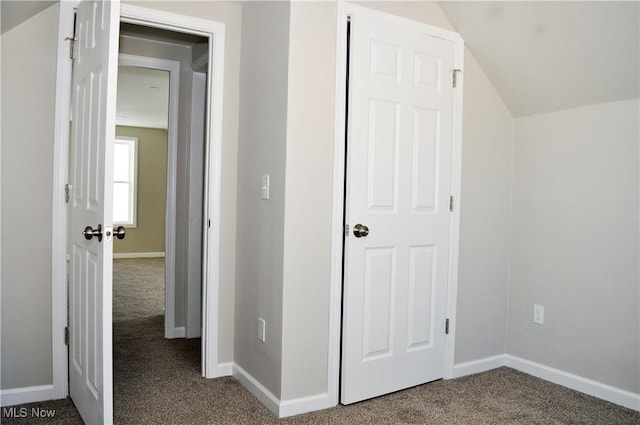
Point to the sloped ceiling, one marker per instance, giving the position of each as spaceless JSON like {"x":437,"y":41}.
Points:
{"x":546,"y":56}
{"x":16,"y":12}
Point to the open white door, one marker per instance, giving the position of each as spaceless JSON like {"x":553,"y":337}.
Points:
{"x":398,"y":189}
{"x":91,"y":210}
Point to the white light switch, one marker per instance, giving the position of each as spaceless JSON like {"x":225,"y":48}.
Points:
{"x":265,"y":186}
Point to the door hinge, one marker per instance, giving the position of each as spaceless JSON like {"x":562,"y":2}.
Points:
{"x":451,"y":203}
{"x":72,"y":46}
{"x":66,"y":335}
{"x":455,"y":77}
{"x":446,"y":327}
{"x":346,"y":230}
{"x":67,"y":193}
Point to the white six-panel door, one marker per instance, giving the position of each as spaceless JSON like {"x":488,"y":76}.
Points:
{"x":91,"y":169}
{"x":398,"y":185}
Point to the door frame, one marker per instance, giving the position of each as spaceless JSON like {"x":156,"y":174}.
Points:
{"x":345,"y":12}
{"x":173,"y":67}
{"x":215,"y":32}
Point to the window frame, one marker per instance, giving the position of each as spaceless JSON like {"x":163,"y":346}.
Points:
{"x":131,"y":141}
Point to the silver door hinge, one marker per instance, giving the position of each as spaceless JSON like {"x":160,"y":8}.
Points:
{"x":66,"y":335}
{"x":67,"y":193}
{"x":455,"y":77}
{"x":451,"y":203}
{"x":446,"y":327}
{"x":346,"y":230}
{"x":72,"y":46}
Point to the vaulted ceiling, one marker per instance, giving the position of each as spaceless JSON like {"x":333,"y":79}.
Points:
{"x":544,"y":56}
{"x":14,"y":12}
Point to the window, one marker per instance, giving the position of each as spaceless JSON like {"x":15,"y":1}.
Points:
{"x":125,"y":173}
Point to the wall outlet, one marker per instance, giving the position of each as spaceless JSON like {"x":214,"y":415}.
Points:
{"x":538,"y":314}
{"x":261,"y":329}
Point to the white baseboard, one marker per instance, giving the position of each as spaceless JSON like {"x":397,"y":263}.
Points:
{"x":14,"y":396}
{"x":301,"y":405}
{"x":478,"y":366}
{"x":575,"y":382}
{"x":566,"y":379}
{"x":276,"y":406}
{"x":257,"y":389}
{"x":138,"y":255}
{"x":224,"y":369}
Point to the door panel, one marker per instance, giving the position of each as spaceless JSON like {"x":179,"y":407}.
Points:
{"x":398,"y":185}
{"x":93,"y":131}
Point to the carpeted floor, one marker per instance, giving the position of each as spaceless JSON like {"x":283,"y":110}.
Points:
{"x":157,"y":381}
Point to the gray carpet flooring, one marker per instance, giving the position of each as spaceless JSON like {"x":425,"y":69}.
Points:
{"x":157,"y":381}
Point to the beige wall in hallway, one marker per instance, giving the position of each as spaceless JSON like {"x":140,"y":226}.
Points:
{"x":149,"y":234}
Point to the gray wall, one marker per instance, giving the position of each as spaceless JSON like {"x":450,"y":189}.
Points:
{"x":575,"y":242}
{"x":261,"y":150}
{"x":309,"y":198}
{"x":29,"y":58}
{"x":487,"y":164}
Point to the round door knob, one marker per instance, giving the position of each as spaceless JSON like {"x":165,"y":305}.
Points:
{"x":360,"y":230}
{"x":120,"y":232}
{"x":89,"y":232}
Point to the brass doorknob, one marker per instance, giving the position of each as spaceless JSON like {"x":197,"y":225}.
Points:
{"x":360,"y":230}
{"x":89,"y":232}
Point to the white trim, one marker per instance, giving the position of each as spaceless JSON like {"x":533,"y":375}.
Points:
{"x":337,"y":215}
{"x":301,"y":405}
{"x":59,"y":351}
{"x":478,"y":366}
{"x":179,"y":332}
{"x":225,"y":369}
{"x":280,"y":408}
{"x":15,"y":396}
{"x":172,"y":166}
{"x":569,"y":380}
{"x":456,"y":192}
{"x":575,"y":382}
{"x":212,"y":201}
{"x":345,"y":10}
{"x":138,"y":255}
{"x":257,"y":389}
{"x":215,"y":31}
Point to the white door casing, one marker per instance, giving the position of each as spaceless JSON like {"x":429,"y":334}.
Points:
{"x":91,"y":169}
{"x":399,"y":168}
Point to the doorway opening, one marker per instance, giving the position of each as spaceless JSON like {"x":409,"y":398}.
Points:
{"x":157,"y":268}
{"x":99,"y":330}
